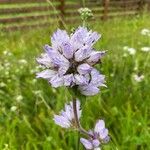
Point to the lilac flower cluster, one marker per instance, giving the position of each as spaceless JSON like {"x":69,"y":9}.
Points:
{"x":99,"y":136}
{"x":70,"y":60}
{"x":66,"y":118}
{"x":96,"y":137}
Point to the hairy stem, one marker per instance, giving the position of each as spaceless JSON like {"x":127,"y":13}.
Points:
{"x":75,"y":113}
{"x":79,"y":127}
{"x":76,"y":121}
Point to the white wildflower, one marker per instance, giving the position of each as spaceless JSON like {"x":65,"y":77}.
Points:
{"x":19,"y":98}
{"x":138,"y":78}
{"x":125,"y":47}
{"x":6,"y":147}
{"x":2,"y":84}
{"x":145,"y":32}
{"x":130,"y":50}
{"x":7,"y":53}
{"x":22,"y":61}
{"x":145,"y":49}
{"x":13,"y":108}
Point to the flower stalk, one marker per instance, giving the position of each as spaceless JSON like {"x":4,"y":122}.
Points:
{"x":70,"y":61}
{"x":78,"y":125}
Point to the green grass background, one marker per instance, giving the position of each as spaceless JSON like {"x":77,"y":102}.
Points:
{"x":124,"y":104}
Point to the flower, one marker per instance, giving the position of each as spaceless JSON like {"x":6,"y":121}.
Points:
{"x":145,"y":32}
{"x":2,"y":84}
{"x":90,"y":144}
{"x":145,"y":49}
{"x":138,"y":78}
{"x":66,"y":118}
{"x":19,"y":98}
{"x":92,"y":82}
{"x":99,"y":136}
{"x":7,"y":53}
{"x":130,"y":50}
{"x":85,"y":13}
{"x":13,"y":108}
{"x":70,"y":60}
{"x":22,"y":61}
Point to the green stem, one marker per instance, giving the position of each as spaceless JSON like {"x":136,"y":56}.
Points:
{"x":84,"y":23}
{"x":78,"y":126}
{"x":83,"y":3}
{"x":76,"y":121}
{"x":78,"y":142}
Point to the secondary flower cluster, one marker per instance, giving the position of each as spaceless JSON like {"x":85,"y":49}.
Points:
{"x":66,"y":118}
{"x":96,"y":137}
{"x":70,"y":60}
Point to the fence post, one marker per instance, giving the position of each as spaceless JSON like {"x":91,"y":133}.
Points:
{"x":62,"y":13}
{"x":106,"y":9}
{"x":141,"y":5}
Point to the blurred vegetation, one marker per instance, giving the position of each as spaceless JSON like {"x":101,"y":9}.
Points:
{"x":27,"y":104}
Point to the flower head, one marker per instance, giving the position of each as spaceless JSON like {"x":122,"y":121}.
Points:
{"x":145,"y":32}
{"x":130,"y":50}
{"x":70,"y":60}
{"x":85,"y":13}
{"x":66,"y":118}
{"x":145,"y":49}
{"x":138,"y":78}
{"x":98,"y":137}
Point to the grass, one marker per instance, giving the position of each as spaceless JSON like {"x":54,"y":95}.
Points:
{"x":27,"y":105}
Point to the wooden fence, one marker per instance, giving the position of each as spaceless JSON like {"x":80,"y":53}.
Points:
{"x":18,"y":14}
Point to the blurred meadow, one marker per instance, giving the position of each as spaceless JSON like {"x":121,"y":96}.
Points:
{"x":27,"y":104}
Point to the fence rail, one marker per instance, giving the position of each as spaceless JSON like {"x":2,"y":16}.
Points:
{"x":19,"y":14}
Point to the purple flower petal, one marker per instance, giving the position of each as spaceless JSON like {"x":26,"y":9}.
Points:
{"x":92,"y":38}
{"x":58,"y":38}
{"x":48,"y":49}
{"x":84,"y":69}
{"x":67,"y":50}
{"x":106,"y":139}
{"x":68,"y":113}
{"x":61,"y":121}
{"x":79,"y":35}
{"x":46,"y":74}
{"x":45,"y":60}
{"x":95,"y":57}
{"x":66,"y":117}
{"x":103,"y":133}
{"x":84,"y":37}
{"x":56,"y":81}
{"x":89,"y":90}
{"x":63,"y":68}
{"x":96,"y":143}
{"x":68,"y":80}
{"x":80,"y":79}
{"x":57,"y":59}
{"x":97,"y":79}
{"x":87,"y":143}
{"x":82,"y":53}
{"x":100,"y":125}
